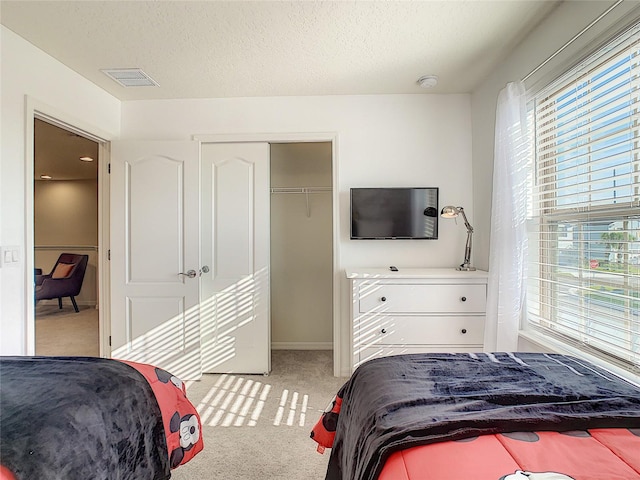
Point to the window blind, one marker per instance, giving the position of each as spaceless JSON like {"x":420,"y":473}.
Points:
{"x":584,"y":227}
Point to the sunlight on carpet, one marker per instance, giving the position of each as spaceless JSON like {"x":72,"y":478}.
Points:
{"x":257,"y":426}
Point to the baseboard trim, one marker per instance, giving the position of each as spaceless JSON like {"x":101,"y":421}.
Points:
{"x":66,"y":300}
{"x":301,"y":346}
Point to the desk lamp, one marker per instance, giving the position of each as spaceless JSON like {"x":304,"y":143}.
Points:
{"x":453,"y":212}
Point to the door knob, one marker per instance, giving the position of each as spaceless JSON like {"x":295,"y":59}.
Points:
{"x":190,"y":274}
{"x":204,"y":269}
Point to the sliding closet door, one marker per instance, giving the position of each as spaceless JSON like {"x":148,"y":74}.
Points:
{"x":235,"y":249}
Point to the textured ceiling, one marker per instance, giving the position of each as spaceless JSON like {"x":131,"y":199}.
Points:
{"x":208,"y":49}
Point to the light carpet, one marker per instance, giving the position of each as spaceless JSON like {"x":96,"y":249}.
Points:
{"x":257,"y":427}
{"x":65,"y":332}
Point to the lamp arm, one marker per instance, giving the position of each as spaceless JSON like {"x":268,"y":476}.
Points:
{"x":467,"y":248}
{"x":466,"y":222}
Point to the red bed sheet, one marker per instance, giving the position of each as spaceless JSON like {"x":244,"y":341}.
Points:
{"x":598,"y":454}
{"x":182,"y":425}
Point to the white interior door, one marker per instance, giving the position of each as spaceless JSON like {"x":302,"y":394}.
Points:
{"x":154,"y":244}
{"x":235,"y":316}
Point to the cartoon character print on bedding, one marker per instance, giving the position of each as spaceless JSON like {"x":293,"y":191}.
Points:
{"x":520,"y":475}
{"x":181,"y":421}
{"x":324,"y":430}
{"x":183,"y":432}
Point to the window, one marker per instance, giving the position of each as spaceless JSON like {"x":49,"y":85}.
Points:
{"x":584,"y":230}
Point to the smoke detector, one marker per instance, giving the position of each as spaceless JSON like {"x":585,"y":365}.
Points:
{"x":130,"y":77}
{"x":428,"y":81}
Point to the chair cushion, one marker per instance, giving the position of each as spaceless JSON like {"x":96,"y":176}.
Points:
{"x":62,"y":270}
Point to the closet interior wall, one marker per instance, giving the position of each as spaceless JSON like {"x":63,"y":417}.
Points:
{"x":301,"y":246}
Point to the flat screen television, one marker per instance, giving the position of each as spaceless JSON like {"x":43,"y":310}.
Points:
{"x":409,"y":213}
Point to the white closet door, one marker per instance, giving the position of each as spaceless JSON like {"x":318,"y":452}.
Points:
{"x":154,"y":242}
{"x":235,"y":247}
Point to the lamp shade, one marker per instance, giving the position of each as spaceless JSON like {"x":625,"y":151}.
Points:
{"x":450,"y":211}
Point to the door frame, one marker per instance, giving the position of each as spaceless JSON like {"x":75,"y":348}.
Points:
{"x":37,"y":109}
{"x":340,"y":337}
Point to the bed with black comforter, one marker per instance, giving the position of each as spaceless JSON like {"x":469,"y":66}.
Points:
{"x":398,"y":402}
{"x":77,"y":418}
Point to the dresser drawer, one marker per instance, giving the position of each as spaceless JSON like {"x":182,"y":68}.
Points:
{"x":404,"y":298}
{"x":416,"y":330}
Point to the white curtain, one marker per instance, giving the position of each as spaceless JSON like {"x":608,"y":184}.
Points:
{"x":508,"y":250}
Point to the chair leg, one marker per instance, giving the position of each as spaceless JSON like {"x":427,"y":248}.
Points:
{"x":75,"y":305}
{"x":60,"y":303}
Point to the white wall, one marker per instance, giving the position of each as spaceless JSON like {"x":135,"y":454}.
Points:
{"x":382,"y":140}
{"x":66,"y":212}
{"x":55,"y":89}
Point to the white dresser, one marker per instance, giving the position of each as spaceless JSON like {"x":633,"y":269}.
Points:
{"x":416,"y":310}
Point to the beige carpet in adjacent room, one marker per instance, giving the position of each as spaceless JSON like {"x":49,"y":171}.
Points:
{"x":257,"y":427}
{"x":64,"y":332}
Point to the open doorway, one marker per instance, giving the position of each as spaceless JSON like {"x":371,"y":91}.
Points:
{"x":301,"y":246}
{"x":65,"y":212}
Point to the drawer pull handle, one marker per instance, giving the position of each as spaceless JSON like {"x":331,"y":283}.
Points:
{"x":384,"y":330}
{"x":464,"y":330}
{"x":464,"y":299}
{"x":384,"y":299}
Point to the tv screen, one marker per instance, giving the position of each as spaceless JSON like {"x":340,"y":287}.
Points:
{"x":394,"y":213}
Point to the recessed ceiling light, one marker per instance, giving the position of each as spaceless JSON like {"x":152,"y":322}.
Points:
{"x":86,"y":159}
{"x":45,"y":177}
{"x":428,"y":81}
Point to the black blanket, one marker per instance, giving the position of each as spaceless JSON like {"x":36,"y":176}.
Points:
{"x":79,"y":419}
{"x":397,"y":402}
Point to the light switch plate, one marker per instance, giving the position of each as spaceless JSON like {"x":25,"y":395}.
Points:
{"x":10,"y":256}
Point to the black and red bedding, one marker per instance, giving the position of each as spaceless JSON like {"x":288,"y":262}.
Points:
{"x":393,"y":407}
{"x":93,"y":418}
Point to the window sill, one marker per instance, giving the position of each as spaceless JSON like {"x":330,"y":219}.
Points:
{"x":556,"y":346}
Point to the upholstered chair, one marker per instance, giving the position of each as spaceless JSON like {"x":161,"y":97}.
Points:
{"x":65,"y":280}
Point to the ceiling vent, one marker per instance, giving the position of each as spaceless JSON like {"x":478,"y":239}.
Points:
{"x":130,"y":77}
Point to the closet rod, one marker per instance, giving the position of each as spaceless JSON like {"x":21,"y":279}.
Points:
{"x":300,"y":189}
{"x":575,"y":37}
{"x":305,"y":190}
